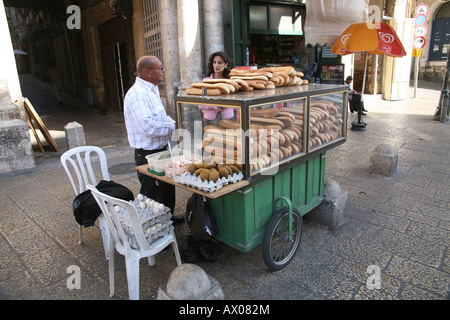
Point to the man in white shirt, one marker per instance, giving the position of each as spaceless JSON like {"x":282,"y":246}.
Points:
{"x":148,"y":126}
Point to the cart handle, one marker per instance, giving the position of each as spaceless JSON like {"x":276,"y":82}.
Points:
{"x":289,"y":203}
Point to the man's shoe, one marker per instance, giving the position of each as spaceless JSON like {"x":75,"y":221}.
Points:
{"x":178,"y":220}
{"x":365,"y":110}
{"x":364,"y":114}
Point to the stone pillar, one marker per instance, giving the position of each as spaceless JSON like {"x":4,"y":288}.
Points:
{"x":74,"y":135}
{"x":189,"y":42}
{"x":331,"y":212}
{"x":138,"y":31}
{"x":190,"y":282}
{"x":383,"y":160}
{"x":213,"y":27}
{"x":16,"y":152}
{"x":169,"y":38}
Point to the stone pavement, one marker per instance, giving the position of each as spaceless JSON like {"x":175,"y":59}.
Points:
{"x":398,"y":225}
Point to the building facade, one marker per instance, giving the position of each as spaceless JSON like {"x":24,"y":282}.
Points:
{"x":97,"y":57}
{"x":433,"y":62}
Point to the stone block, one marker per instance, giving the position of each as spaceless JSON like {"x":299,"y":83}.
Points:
{"x":383,"y":160}
{"x":74,"y":135}
{"x":16,"y":152}
{"x":190,"y":282}
{"x":331,"y":212}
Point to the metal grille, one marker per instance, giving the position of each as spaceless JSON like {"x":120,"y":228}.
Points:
{"x":150,"y":14}
{"x":152,"y":33}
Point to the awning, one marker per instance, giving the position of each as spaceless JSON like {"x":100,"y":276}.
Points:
{"x":327,"y":19}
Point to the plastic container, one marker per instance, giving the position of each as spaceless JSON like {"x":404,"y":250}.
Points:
{"x":181,"y":157}
{"x":156,"y":164}
{"x":171,"y":172}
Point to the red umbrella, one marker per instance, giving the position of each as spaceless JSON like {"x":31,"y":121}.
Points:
{"x":377,"y":38}
{"x":368,"y":37}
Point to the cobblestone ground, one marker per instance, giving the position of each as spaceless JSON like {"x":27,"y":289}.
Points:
{"x":397,"y":226}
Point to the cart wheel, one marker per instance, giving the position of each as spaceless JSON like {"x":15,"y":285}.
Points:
{"x":277,"y":249}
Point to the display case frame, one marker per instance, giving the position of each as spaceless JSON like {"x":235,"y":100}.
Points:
{"x":246,"y":101}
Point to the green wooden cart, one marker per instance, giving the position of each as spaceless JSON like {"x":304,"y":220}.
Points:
{"x":268,"y":210}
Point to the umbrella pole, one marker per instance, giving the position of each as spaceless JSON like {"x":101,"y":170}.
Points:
{"x":365,"y":72}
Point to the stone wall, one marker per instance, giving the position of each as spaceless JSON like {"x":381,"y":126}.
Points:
{"x":433,"y":71}
{"x":16,"y":152}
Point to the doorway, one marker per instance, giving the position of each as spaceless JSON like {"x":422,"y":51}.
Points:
{"x":116,"y":41}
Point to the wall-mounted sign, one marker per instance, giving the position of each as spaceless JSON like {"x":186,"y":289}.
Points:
{"x":421,"y":20}
{"x":419,"y":42}
{"x":422,"y":9}
{"x":420,"y":31}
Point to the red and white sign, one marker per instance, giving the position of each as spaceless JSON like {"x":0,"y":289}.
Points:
{"x":420,"y":31}
{"x":422,"y":9}
{"x":419,"y":42}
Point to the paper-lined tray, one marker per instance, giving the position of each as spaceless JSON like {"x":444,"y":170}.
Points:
{"x":194,"y":181}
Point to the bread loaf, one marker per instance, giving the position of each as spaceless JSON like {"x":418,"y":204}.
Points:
{"x":265,"y":113}
{"x":255,"y":84}
{"x":254,"y":77}
{"x":286,"y":120}
{"x":235,"y":84}
{"x":269,"y":121}
{"x":229,"y":124}
{"x":199,"y":92}
{"x":285,"y":70}
{"x":223,"y":87}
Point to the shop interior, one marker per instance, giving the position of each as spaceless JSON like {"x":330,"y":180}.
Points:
{"x":276,"y":36}
{"x":276,"y":49}
{"x":277,"y":39}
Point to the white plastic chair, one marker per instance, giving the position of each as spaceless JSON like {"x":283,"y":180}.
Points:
{"x":79,"y":161}
{"x":120,"y":240}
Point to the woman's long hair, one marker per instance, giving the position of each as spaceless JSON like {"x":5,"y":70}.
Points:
{"x":226,"y":59}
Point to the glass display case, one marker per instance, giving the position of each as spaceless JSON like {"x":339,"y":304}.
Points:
{"x":263,"y":131}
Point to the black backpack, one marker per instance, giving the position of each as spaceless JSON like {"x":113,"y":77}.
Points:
{"x":203,"y":250}
{"x":86,"y":209}
{"x":199,"y":218}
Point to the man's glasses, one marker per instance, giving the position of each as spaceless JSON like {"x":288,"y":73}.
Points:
{"x":160,"y":68}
